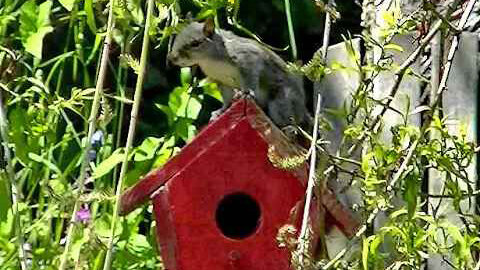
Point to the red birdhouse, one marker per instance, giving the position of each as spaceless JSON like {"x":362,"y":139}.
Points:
{"x":220,"y":202}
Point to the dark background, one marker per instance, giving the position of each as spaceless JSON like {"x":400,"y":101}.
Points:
{"x":267,"y":19}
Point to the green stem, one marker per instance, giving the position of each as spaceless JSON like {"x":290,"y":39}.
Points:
{"x":291,"y":33}
{"x":13,"y":185}
{"x":73,"y":16}
{"x":120,"y":113}
{"x":131,"y":132}
{"x":91,"y":129}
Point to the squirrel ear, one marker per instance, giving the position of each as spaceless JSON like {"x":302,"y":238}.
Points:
{"x":209,"y":27}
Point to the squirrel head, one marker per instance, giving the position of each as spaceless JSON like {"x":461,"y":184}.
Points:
{"x":193,"y":44}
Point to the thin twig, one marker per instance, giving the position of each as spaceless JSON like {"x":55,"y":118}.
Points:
{"x":303,"y":237}
{"x":326,"y":31}
{"x":413,"y":147}
{"x":445,"y":21}
{"x":13,"y":187}
{"x":131,"y":132}
{"x":436,"y":56}
{"x":398,"y":76}
{"x":464,"y":195}
{"x":91,"y":129}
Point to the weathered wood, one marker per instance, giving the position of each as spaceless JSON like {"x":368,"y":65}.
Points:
{"x":406,"y":99}
{"x":460,"y":105}
{"x":336,"y":89}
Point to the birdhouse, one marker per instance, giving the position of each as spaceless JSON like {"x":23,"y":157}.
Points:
{"x":220,"y":202}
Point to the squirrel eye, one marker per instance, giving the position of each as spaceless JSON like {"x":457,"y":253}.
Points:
{"x":195,"y":43}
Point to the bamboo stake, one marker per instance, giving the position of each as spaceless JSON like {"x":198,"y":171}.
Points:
{"x":131,"y":132}
{"x":303,"y":237}
{"x":91,"y":129}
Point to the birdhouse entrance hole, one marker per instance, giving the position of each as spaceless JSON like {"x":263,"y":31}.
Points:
{"x":238,"y":215}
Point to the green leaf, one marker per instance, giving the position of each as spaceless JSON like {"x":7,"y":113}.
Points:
{"x":185,"y":75}
{"x":88,"y":8}
{"x":6,"y":225}
{"x":147,"y":149}
{"x":34,"y":25}
{"x":388,"y":17}
{"x":168,"y":112}
{"x":211,"y":89}
{"x":34,"y":43}
{"x":183,"y":104}
{"x":335,"y":65}
{"x":393,"y":46}
{"x":175,"y":98}
{"x":366,"y":251}
{"x":140,"y":168}
{"x":67,"y":4}
{"x":462,"y":249}
{"x":44,"y":161}
{"x":190,"y":108}
{"x":185,"y":129}
{"x":102,"y":227}
{"x":420,"y":109}
{"x":108,"y":164}
{"x":18,"y":122}
{"x":58,"y":186}
{"x":28,"y":19}
{"x":168,"y":150}
{"x":410,"y":193}
{"x":5,"y":202}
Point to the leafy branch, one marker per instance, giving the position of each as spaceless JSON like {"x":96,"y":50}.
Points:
{"x":412,"y":148}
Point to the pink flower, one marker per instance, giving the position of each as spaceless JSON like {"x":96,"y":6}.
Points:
{"x":83,"y":215}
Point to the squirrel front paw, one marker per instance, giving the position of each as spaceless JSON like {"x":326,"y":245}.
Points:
{"x":242,"y":94}
{"x":216,"y":114}
{"x":291,"y":132}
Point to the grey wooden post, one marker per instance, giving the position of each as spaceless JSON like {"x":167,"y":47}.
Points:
{"x":336,"y":89}
{"x":460,"y":103}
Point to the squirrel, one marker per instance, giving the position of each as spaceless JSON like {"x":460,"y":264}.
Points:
{"x":238,"y":63}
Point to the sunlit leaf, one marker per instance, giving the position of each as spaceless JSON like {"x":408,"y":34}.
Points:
{"x":34,"y":25}
{"x":393,"y":46}
{"x":5,"y":201}
{"x":147,"y":149}
{"x":46,"y":162}
{"x":88,"y":8}
{"x":108,"y":164}
{"x":67,"y":4}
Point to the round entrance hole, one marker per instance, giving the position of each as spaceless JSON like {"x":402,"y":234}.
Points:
{"x":238,"y":215}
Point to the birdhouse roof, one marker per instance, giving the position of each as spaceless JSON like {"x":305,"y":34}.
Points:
{"x":241,"y":110}
{"x":242,"y":114}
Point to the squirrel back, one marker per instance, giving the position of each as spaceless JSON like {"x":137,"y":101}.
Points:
{"x":243,"y":64}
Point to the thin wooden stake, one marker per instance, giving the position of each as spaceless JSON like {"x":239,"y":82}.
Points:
{"x":91,"y":129}
{"x":303,"y":237}
{"x":131,"y":132}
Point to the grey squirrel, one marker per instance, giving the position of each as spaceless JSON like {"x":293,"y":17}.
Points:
{"x":237,"y":63}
